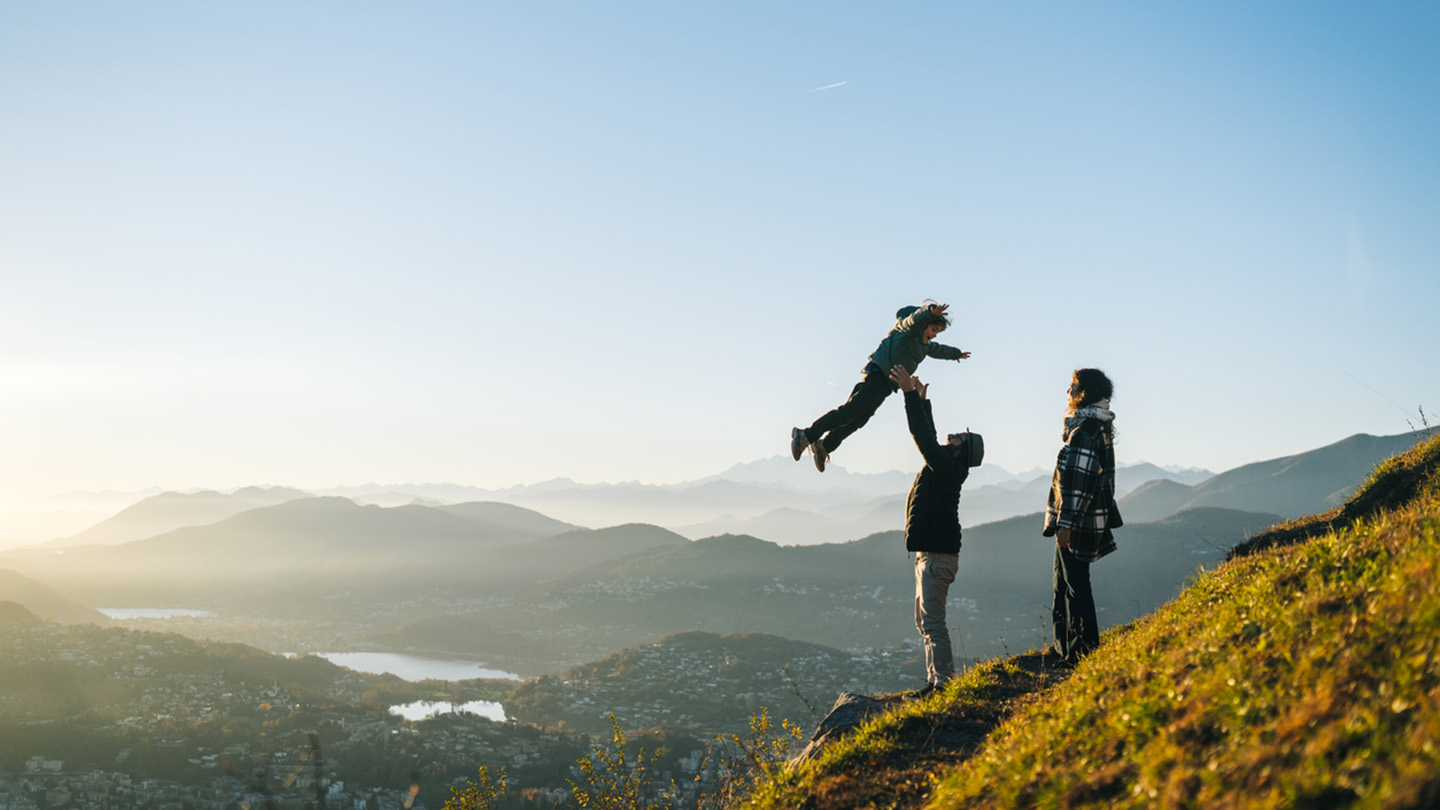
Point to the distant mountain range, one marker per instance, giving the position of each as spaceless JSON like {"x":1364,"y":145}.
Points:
{"x":168,"y":511}
{"x":853,"y":595}
{"x":772,"y":498}
{"x":515,"y":584}
{"x":980,"y":503}
{"x":1290,"y":487}
{"x":313,"y":543}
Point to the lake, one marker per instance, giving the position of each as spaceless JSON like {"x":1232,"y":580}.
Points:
{"x":422,"y":709}
{"x":414,"y":667}
{"x":155,"y":613}
{"x":409,"y":667}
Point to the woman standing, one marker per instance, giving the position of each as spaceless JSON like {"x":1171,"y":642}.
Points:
{"x":1081,"y":510}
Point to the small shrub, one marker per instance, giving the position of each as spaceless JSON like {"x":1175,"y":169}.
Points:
{"x":615,"y":779}
{"x":742,"y":763}
{"x":477,"y":794}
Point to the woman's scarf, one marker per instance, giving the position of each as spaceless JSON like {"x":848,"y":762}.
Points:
{"x":1099,"y":410}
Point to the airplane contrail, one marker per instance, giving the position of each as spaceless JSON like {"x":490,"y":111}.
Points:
{"x":826,"y":87}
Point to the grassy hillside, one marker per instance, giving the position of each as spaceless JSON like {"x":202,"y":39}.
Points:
{"x":1300,"y":675}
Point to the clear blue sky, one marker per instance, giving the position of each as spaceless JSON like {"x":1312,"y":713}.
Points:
{"x":331,"y":243}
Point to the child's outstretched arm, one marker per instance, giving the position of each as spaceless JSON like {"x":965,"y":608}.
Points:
{"x":943,"y":352}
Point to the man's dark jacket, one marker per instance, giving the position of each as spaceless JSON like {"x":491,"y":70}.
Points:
{"x":932,"y":512}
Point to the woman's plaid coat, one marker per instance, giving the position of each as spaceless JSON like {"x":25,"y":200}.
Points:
{"x":1082,"y":490}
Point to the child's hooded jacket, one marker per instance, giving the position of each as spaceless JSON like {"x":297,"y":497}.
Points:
{"x":903,"y":346}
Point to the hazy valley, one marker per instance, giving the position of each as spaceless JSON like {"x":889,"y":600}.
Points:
{"x":675,"y":628}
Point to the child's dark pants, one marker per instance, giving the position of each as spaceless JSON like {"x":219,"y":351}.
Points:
{"x":864,"y":400}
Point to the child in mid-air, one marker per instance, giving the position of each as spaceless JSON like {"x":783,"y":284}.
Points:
{"x":910,"y":341}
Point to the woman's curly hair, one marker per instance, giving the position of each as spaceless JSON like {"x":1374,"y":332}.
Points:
{"x":1093,"y":386}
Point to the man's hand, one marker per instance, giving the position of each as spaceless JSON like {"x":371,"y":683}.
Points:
{"x":1062,"y":536}
{"x":907,"y":382}
{"x":902,"y":378}
{"x":963,"y":356}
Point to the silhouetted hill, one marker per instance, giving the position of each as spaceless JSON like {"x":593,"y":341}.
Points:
{"x":507,"y":522}
{"x":14,"y":614}
{"x":314,"y":529}
{"x":1395,"y":484}
{"x":329,"y":528}
{"x":786,"y":524}
{"x":584,"y":546}
{"x":325,"y":543}
{"x":1155,"y":500}
{"x":1130,"y":476}
{"x":1291,"y":486}
{"x":321,"y":558}
{"x":173,"y":510}
{"x":44,"y":601}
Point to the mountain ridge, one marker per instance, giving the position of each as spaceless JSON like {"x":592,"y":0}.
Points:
{"x":45,"y":602}
{"x":168,"y":511}
{"x":1289,"y":486}
{"x":856,"y":594}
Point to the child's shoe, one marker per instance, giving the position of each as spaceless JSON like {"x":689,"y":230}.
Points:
{"x":798,"y":443}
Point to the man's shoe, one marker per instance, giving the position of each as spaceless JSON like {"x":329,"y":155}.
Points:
{"x":923,"y":692}
{"x":818,"y":448}
{"x":798,"y":443}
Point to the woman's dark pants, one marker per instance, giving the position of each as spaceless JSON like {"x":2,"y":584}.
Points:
{"x":1073,"y":611}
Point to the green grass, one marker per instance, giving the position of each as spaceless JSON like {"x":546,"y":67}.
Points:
{"x":1301,"y":675}
{"x":890,"y":760}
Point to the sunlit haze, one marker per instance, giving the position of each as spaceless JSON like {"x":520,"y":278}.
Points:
{"x":326,"y":244}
